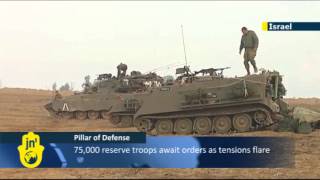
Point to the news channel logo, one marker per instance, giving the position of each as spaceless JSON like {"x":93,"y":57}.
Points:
{"x":30,"y":151}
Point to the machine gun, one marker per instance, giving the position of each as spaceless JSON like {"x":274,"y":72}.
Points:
{"x":184,"y":70}
{"x":212,"y":71}
{"x":185,"y":73}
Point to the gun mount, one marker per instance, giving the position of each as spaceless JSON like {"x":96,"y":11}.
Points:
{"x":212,"y":71}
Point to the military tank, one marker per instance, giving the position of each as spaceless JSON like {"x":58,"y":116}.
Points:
{"x":97,"y":99}
{"x":205,"y":104}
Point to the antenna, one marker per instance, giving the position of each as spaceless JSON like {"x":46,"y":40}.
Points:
{"x":166,"y":66}
{"x":184,"y":46}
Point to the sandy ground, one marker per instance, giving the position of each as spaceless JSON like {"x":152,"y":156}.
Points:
{"x":22,"y":110}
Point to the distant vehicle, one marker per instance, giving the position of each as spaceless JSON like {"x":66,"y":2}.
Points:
{"x":97,"y":99}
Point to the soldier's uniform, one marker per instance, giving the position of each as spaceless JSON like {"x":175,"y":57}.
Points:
{"x":122,"y":70}
{"x":57,"y":95}
{"x":249,"y":42}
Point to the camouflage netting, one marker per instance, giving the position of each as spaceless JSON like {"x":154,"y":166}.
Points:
{"x":300,"y":120}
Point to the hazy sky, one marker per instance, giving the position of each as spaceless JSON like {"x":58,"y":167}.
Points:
{"x":44,"y":42}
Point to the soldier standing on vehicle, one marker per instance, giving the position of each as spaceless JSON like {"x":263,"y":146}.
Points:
{"x":122,"y":70}
{"x":57,"y":95}
{"x":250,"y":42}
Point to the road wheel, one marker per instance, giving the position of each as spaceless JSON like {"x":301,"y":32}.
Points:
{"x":222,"y":124}
{"x":115,"y":120}
{"x":81,"y":115}
{"x":105,"y":114}
{"x":242,"y":122}
{"x":183,"y":126}
{"x":67,"y":115}
{"x":59,"y":115}
{"x":202,"y":125}
{"x":93,"y":115}
{"x":125,"y":121}
{"x":164,"y":126}
{"x":260,"y":117}
{"x":143,"y":125}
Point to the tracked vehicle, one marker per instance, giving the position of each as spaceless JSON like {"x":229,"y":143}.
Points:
{"x":97,"y":99}
{"x":206,"y":104}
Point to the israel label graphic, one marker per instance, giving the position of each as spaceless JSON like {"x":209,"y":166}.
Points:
{"x":290,"y":26}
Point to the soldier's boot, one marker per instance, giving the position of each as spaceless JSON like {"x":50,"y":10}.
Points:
{"x":246,"y":65}
{"x":253,"y":62}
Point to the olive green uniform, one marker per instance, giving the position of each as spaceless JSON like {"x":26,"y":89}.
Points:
{"x":122,"y":70}
{"x":250,"y":43}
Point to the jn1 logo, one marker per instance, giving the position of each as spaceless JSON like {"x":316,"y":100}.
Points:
{"x":30,"y":150}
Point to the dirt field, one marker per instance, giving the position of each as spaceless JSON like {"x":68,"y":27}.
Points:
{"x":22,"y":110}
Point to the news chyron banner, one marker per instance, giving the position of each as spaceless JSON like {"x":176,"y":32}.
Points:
{"x":136,"y":150}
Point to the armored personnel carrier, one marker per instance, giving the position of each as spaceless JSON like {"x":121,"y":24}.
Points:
{"x":97,"y":99}
{"x":209,"y":103}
